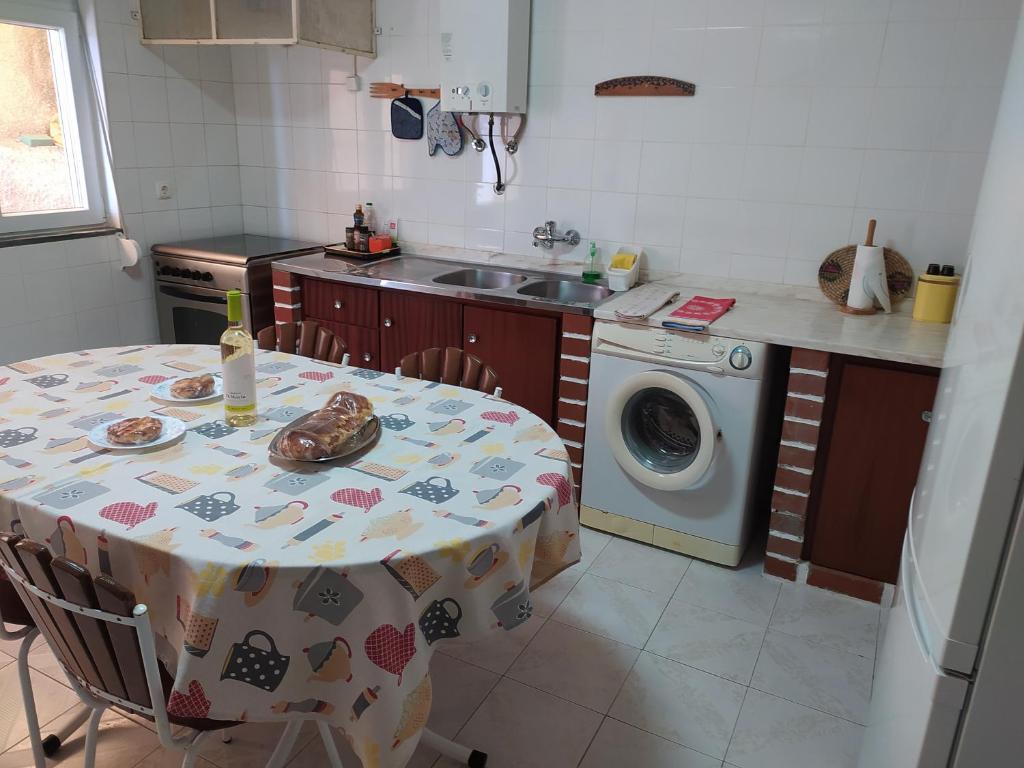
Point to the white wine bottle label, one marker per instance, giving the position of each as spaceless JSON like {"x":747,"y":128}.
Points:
{"x":239,"y":382}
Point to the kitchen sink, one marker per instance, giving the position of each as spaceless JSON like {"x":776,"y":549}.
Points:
{"x":565,"y":290}
{"x":487,"y":279}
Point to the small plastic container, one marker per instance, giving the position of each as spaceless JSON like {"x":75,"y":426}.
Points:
{"x":379,"y":243}
{"x":624,"y":279}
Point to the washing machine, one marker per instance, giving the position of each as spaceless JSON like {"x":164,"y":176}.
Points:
{"x":675,"y":423}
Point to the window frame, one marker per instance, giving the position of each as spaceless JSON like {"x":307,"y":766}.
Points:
{"x":79,"y":118}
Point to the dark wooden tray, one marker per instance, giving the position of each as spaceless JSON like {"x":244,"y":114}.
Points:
{"x":338,"y":250}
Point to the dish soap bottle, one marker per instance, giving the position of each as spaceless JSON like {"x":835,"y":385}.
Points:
{"x":592,"y":274}
{"x":239,"y":367}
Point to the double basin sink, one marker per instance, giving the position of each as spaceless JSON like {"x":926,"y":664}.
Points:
{"x":555,"y":290}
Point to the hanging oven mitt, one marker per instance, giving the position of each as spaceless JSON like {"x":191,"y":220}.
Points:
{"x":443,"y":131}
{"x":407,"y":118}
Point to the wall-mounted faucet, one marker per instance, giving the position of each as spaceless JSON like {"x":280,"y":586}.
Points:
{"x":546,"y":236}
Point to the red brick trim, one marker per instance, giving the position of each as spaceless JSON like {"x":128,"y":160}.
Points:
{"x":570,"y":432}
{"x":793,"y":456}
{"x":845,"y":583}
{"x":809,"y":360}
{"x":804,"y":409}
{"x":789,"y":503}
{"x":575,"y":369}
{"x":783,"y":522}
{"x":807,"y":384}
{"x":781,"y":568}
{"x":286,"y":279}
{"x":797,"y":432}
{"x":575,"y":347}
{"x":572,"y":390}
{"x":791,"y":548}
{"x":572,"y":411}
{"x":577,"y":324}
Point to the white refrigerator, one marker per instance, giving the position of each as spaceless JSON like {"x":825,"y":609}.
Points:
{"x":949,"y":685}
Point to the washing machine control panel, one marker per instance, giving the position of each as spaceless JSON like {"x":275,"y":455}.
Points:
{"x":698,"y":351}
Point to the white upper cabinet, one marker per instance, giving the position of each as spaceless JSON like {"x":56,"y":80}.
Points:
{"x":345,"y":25}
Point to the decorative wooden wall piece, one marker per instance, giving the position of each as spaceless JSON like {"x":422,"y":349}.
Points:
{"x":645,"y":85}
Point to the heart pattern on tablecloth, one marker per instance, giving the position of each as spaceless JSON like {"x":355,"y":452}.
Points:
{"x":318,"y":376}
{"x":502,"y":417}
{"x":390,"y":649}
{"x":560,"y":484}
{"x":153,"y":379}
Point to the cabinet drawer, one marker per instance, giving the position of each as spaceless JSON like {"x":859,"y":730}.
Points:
{"x":363,"y":344}
{"x":339,"y":303}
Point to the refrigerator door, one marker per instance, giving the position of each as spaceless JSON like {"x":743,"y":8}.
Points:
{"x":972,"y":462}
{"x":915,"y":705}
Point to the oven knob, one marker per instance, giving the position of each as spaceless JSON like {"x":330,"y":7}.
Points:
{"x":165,"y":270}
{"x":196,"y":274}
{"x":207,"y":277}
{"x":175,"y":272}
{"x":740,"y":358}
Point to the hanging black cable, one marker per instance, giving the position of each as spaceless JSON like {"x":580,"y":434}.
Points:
{"x":499,"y":187}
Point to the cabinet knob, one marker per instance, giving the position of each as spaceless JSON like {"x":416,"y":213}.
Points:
{"x":926,"y":417}
{"x":387,"y":322}
{"x":471,"y":338}
{"x":339,"y":304}
{"x":367,"y":357}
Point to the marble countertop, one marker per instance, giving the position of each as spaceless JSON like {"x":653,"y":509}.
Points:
{"x":800,"y":317}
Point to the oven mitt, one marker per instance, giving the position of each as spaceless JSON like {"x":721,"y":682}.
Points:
{"x":407,"y":118}
{"x":443,"y":131}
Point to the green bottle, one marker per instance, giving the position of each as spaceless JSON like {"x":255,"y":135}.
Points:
{"x":592,"y":274}
{"x":239,"y":367}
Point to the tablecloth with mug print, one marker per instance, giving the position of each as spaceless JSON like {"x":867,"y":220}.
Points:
{"x":280,"y":589}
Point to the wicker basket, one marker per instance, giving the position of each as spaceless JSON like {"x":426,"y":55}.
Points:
{"x":836,"y":270}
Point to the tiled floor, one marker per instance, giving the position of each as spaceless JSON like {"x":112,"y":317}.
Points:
{"x":635,"y":657}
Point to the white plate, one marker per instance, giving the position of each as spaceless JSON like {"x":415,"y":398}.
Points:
{"x":173,"y":429}
{"x":162,"y":391}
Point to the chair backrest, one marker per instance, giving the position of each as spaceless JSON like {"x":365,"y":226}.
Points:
{"x":450,"y":366}
{"x":12,"y":611}
{"x":94,"y":627}
{"x":307,"y":339}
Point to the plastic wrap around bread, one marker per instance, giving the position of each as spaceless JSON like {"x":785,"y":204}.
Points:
{"x":323,"y":433}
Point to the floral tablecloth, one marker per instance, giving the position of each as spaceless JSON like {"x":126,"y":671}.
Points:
{"x":293,"y":590}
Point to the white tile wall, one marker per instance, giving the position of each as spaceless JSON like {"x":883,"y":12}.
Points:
{"x":811,"y":116}
{"x":172,"y":112}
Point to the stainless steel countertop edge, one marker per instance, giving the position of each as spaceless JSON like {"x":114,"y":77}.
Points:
{"x":508,"y":296}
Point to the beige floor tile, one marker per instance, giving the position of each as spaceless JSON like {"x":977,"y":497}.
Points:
{"x":121,"y":742}
{"x":775,"y":733}
{"x":5,"y":659}
{"x":168,"y":758}
{"x":584,"y":668}
{"x":680,"y":703}
{"x":743,"y":592}
{"x":496,"y":651}
{"x":618,"y":744}
{"x":251,"y":745}
{"x":640,"y":565}
{"x":815,"y":675}
{"x":708,"y":640}
{"x":521,"y":727}
{"x":548,"y":596}
{"x":828,"y":618}
{"x":592,"y":544}
{"x":612,"y":609}
{"x":51,"y":700}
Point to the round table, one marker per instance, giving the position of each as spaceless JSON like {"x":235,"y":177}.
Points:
{"x":277,"y":589}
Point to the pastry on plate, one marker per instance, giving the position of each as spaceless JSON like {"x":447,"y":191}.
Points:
{"x":323,"y":433}
{"x":194,"y":387}
{"x":136,"y":431}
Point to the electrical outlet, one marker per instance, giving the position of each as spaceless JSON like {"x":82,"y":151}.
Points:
{"x":163,"y":190}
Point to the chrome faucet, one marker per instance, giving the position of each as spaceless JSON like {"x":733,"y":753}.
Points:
{"x":546,"y":236}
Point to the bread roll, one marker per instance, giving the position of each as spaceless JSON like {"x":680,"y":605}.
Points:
{"x":323,"y":432}
{"x":193,"y":388}
{"x":137,"y":431}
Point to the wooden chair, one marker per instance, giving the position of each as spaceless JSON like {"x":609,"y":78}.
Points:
{"x":307,"y":339}
{"x":16,"y":623}
{"x":451,"y":366}
{"x":105,"y":644}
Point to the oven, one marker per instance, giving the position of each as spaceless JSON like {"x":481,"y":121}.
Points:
{"x":193,"y":279}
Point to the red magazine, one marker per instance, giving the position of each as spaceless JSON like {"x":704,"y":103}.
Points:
{"x":701,"y":310}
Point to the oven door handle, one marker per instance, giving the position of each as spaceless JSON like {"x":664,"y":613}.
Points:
{"x":179,"y":294}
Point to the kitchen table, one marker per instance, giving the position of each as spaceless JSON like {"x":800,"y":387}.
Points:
{"x":282,"y":590}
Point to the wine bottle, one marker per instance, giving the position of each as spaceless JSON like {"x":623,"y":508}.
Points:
{"x":239,"y":363}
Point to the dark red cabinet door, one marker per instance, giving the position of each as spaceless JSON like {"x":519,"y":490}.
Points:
{"x":874,"y":446}
{"x":339,"y":303}
{"x":363,"y":344}
{"x":522,"y":349}
{"x":412,"y":322}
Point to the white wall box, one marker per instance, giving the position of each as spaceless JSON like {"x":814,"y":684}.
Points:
{"x":345,"y":25}
{"x":485,"y":55}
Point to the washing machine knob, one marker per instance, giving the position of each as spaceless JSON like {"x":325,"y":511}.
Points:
{"x":740,"y":358}
{"x":718,"y":350}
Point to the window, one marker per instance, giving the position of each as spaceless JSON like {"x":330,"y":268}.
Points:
{"x":49,"y":173}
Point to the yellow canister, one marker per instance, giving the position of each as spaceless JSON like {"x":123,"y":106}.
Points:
{"x":936,"y":297}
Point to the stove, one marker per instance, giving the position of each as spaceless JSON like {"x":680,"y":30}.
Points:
{"x":194,"y":276}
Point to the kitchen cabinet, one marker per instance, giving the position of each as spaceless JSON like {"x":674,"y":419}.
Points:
{"x":523,"y":350}
{"x":412,"y":322}
{"x":873,"y":436}
{"x":345,"y":25}
{"x":340,"y":303}
{"x":363,"y":344}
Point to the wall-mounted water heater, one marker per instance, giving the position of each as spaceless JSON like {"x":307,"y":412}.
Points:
{"x":485,"y":55}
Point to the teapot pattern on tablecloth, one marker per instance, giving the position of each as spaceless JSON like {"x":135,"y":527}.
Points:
{"x":338,"y":580}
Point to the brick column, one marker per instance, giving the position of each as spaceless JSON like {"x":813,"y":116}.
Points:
{"x":287,"y":297}
{"x":574,"y":378}
{"x":805,"y":400}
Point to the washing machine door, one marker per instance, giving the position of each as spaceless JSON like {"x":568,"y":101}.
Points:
{"x":661,"y":431}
